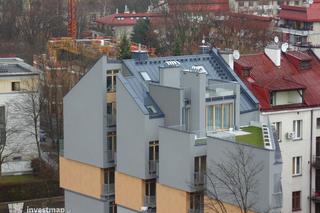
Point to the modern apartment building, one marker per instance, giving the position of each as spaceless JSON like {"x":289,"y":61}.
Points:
{"x":300,"y":25}
{"x":162,"y":122}
{"x":16,"y":80}
{"x":260,"y":8}
{"x":286,"y":85}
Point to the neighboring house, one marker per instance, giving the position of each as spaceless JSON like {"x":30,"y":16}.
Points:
{"x":15,"y":79}
{"x":195,"y":6}
{"x":261,"y":8}
{"x":119,"y":24}
{"x":287,"y":87}
{"x":300,"y":25}
{"x":162,"y":122}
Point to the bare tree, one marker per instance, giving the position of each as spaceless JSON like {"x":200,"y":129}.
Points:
{"x":27,"y":108}
{"x":234,"y":179}
{"x":8,"y":147}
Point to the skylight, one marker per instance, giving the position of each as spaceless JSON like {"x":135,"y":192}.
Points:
{"x":151,"y":109}
{"x":145,"y":76}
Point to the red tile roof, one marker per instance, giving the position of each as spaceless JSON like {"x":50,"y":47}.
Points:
{"x":301,"y":13}
{"x":265,"y":77}
{"x":125,"y":19}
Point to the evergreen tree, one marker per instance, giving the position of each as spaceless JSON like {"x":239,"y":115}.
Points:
{"x":124,"y":48}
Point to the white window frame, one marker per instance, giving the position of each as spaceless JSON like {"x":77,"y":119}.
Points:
{"x":297,"y":166}
{"x":278,"y":127}
{"x":297,"y":128}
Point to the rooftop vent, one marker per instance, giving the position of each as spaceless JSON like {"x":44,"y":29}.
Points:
{"x":172,"y":64}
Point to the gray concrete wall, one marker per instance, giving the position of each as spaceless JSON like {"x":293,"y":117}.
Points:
{"x":121,"y":209}
{"x":196,"y":90}
{"x":217,"y":150}
{"x":83,"y":204}
{"x":134,"y":131}
{"x":170,"y":100}
{"x":175,"y":158}
{"x":246,"y":118}
{"x":84,"y":113}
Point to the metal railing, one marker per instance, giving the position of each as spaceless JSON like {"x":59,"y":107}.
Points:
{"x":316,"y":161}
{"x":199,"y":178}
{"x":111,"y":156}
{"x":154,"y":167}
{"x":315,"y":196}
{"x":150,"y":201}
{"x":108,"y":189}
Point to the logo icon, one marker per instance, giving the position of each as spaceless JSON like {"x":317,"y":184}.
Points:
{"x":15,"y":207}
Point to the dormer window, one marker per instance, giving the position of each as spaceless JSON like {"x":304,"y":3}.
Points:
{"x":151,"y":109}
{"x":305,"y":65}
{"x":246,"y":72}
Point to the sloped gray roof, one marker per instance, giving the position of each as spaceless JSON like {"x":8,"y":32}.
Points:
{"x":16,"y":66}
{"x":213,"y":64}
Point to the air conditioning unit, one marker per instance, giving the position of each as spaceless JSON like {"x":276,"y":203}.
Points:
{"x":290,"y":135}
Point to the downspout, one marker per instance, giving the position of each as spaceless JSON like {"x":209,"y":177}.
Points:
{"x":311,"y":140}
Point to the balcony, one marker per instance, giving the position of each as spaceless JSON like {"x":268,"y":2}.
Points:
{"x":111,"y":156}
{"x":150,"y":201}
{"x":108,"y":189}
{"x":316,"y":161}
{"x":196,"y":211}
{"x":316,"y":197}
{"x":299,"y":32}
{"x":199,"y":179}
{"x":154,"y":167}
{"x":61,"y":147}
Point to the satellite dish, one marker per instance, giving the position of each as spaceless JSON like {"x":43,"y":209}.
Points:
{"x":310,"y":1}
{"x":203,"y":41}
{"x":236,"y":54}
{"x":284,"y":47}
{"x":276,"y":39}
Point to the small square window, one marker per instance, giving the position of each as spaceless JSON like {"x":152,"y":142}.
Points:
{"x":151,"y":109}
{"x":15,"y":86}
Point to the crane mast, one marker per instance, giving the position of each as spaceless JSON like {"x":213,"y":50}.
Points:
{"x":72,"y":19}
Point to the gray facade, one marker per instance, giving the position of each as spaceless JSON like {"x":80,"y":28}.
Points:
{"x":78,"y":203}
{"x":267,"y":197}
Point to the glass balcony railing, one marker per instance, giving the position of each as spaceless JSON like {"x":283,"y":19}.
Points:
{"x":154,"y":167}
{"x":150,"y":200}
{"x":108,"y":189}
{"x":199,"y":178}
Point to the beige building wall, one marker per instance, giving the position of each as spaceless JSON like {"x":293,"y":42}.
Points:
{"x":129,"y":191}
{"x":25,"y":83}
{"x":230,"y":208}
{"x":170,"y":200}
{"x":81,"y":178}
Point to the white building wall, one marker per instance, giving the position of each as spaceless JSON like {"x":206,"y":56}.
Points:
{"x":24,"y":142}
{"x":293,"y":148}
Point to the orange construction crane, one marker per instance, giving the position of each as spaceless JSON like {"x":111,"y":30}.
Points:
{"x":72,"y":19}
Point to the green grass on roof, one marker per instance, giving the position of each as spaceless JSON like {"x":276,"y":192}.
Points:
{"x":17,"y":179}
{"x":255,"y":138}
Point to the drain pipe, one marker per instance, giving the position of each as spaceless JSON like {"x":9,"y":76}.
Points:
{"x":311,"y":145}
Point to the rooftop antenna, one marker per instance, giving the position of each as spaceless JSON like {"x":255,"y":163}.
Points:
{"x":276,"y":39}
{"x":236,"y":54}
{"x":284,"y":47}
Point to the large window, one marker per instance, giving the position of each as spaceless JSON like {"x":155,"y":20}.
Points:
{"x":112,"y":80}
{"x":219,"y":117}
{"x":296,"y":201}
{"x":296,"y":165}
{"x":154,"y":150}
{"x":297,"y":129}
